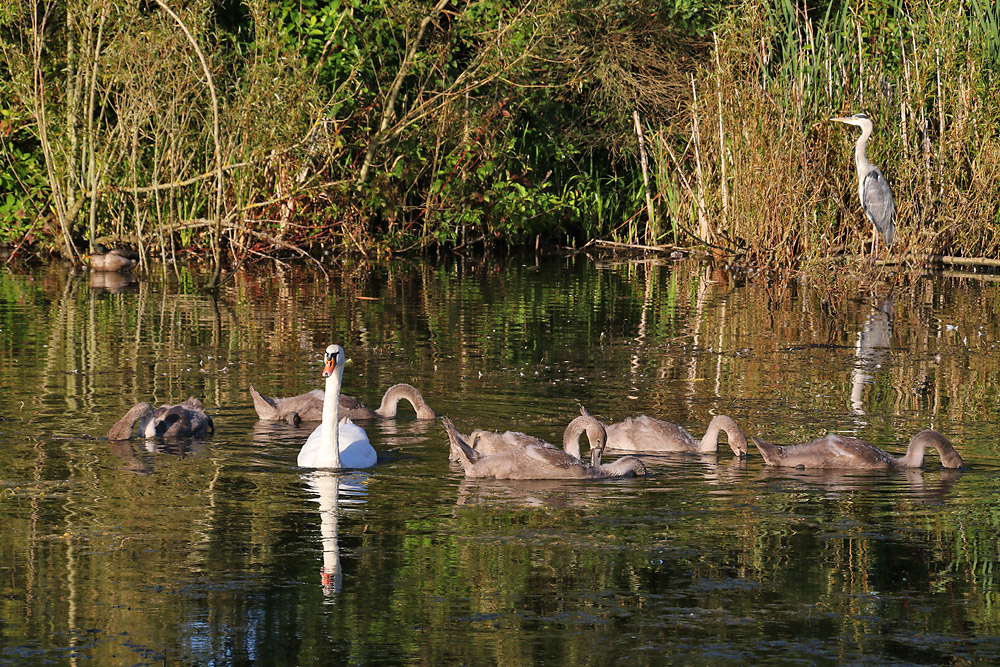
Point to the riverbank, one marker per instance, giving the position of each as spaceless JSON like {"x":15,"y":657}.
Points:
{"x":322,"y":131}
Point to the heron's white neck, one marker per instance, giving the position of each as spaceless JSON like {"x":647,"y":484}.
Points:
{"x":330,"y":435}
{"x":860,"y":158}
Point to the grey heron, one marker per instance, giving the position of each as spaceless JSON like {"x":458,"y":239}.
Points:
{"x":873,"y":190}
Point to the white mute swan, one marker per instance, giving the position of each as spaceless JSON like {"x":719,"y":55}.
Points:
{"x":167,"y":421}
{"x":336,"y":443}
{"x":836,"y":451}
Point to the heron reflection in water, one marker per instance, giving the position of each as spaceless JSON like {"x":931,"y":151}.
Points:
{"x":328,"y":485}
{"x":871,"y":351}
{"x":873,"y":190}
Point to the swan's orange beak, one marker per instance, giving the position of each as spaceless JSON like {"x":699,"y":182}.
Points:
{"x":329,"y":364}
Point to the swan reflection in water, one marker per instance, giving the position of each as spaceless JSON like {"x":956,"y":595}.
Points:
{"x":836,"y":482}
{"x":331,"y":490}
{"x":711,"y":469}
{"x":718,"y":477}
{"x":140,"y":460}
{"x":871,"y":351}
{"x":538,"y":493}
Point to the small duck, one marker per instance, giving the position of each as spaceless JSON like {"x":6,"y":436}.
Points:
{"x":119,"y":259}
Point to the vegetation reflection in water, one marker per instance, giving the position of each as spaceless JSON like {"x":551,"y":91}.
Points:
{"x":221,"y":549}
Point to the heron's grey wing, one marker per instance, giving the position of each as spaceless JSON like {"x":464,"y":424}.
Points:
{"x":878,"y":204}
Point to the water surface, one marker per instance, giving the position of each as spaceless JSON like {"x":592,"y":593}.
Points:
{"x":222,"y":551}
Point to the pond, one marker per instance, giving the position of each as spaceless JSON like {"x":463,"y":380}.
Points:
{"x":222,"y":551}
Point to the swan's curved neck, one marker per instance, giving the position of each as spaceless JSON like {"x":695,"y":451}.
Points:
{"x":138,"y":420}
{"x":914,"y":457}
{"x":737,"y":441}
{"x":390,"y":404}
{"x":571,"y":438}
{"x":331,"y":415}
{"x":396,"y":393}
{"x":596,"y":437}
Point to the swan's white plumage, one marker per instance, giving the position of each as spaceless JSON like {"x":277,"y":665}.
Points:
{"x":336,"y":443}
{"x":355,"y":450}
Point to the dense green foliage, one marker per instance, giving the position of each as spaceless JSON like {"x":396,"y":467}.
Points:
{"x":270,"y":126}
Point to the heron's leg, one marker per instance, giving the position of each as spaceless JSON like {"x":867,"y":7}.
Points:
{"x":874,"y":243}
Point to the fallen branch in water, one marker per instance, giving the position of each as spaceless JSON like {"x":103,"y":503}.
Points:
{"x":962,"y":261}
{"x":948,"y":273}
{"x":633,"y":246}
{"x":947,"y":260}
